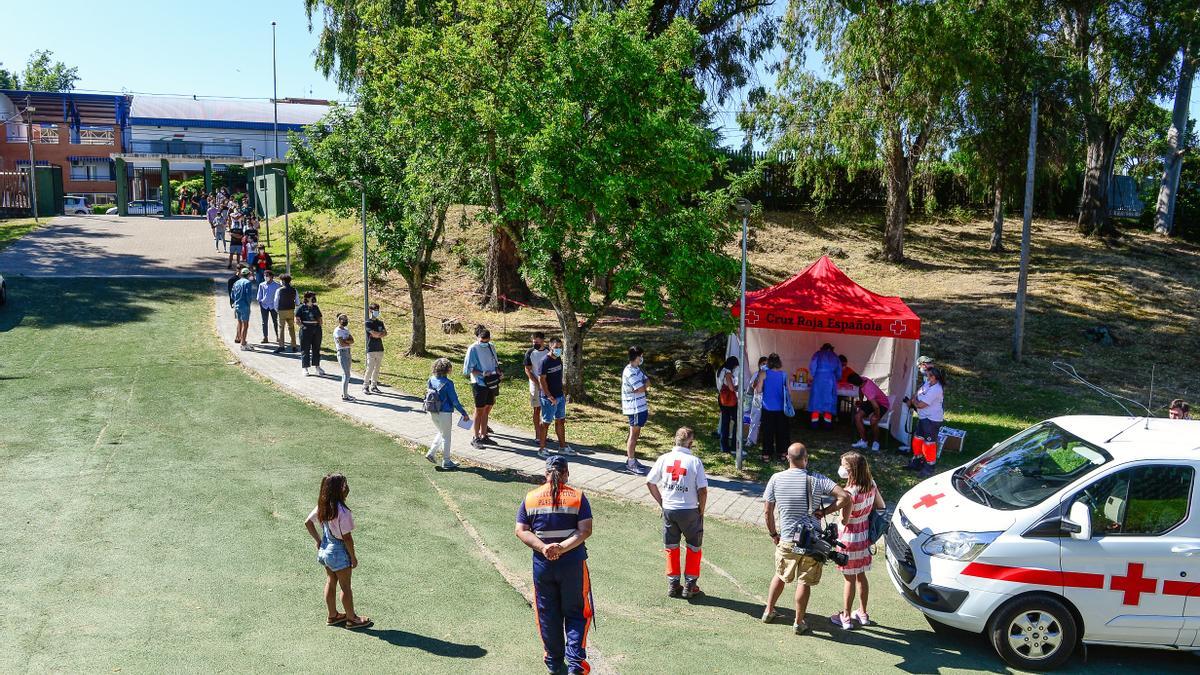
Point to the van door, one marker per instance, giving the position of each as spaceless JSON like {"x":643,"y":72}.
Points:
{"x":1132,"y":583}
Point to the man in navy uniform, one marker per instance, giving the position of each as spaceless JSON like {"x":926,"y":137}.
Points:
{"x":554,"y":520}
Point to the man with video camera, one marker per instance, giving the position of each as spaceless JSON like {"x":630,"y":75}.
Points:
{"x":802,"y":544}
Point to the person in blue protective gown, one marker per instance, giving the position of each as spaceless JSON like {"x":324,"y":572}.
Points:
{"x":825,"y":369}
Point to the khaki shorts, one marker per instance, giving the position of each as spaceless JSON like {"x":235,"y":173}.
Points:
{"x":790,"y":566}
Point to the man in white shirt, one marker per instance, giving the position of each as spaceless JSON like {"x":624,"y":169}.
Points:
{"x":633,"y":405}
{"x":677,"y":482}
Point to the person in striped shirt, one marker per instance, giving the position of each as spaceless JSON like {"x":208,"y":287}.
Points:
{"x":853,"y":534}
{"x":634,"y":406}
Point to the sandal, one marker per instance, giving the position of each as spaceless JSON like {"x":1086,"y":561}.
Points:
{"x":336,"y":620}
{"x":363,"y":622}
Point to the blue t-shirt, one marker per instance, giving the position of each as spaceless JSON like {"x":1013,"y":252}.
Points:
{"x":243,"y":292}
{"x":774,"y":389}
{"x":552,"y":523}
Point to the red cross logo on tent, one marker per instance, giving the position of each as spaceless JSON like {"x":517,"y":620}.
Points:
{"x":676,"y":471}
{"x":899,"y":327}
{"x":752,"y":317}
{"x":1133,"y":584}
{"x":928,"y":500}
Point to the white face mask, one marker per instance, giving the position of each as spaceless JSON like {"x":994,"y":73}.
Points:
{"x":640,"y":360}
{"x":843,"y":473}
{"x":374,"y":314}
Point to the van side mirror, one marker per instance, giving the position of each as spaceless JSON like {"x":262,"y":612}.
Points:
{"x":1078,"y":522}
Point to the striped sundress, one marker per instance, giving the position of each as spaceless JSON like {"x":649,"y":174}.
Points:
{"x":853,"y":532}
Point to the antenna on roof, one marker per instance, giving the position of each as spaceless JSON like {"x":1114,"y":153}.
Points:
{"x":1116,"y":398}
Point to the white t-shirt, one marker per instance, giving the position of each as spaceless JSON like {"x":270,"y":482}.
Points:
{"x":721,"y":378}
{"x":931,"y":396}
{"x":679,"y":475}
{"x":341,"y":333}
{"x":339,"y":526}
{"x":632,"y":402}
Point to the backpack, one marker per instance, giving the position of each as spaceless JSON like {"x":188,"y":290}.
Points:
{"x":433,"y":399}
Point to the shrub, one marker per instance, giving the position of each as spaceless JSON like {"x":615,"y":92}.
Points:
{"x":100,"y":209}
{"x":307,"y":239}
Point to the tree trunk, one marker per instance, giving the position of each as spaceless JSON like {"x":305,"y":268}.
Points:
{"x":998,"y":216}
{"x":501,"y":278}
{"x":898,"y":177}
{"x":416,"y":297}
{"x":573,"y":336}
{"x":1164,"y":210}
{"x":1093,"y":201}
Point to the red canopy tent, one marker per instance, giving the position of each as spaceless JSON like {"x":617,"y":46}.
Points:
{"x":878,"y":334}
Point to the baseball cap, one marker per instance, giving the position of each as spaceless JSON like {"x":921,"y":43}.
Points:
{"x":556,"y":463}
{"x":925,"y":359}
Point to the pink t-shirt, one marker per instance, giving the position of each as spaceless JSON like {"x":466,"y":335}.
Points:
{"x":340,"y":525}
{"x":873,"y":393}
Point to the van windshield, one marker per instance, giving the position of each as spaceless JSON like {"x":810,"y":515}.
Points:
{"x":1028,"y":468}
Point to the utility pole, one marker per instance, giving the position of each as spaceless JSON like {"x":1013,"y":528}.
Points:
{"x":1023,"y":275}
{"x":274,"y":93}
{"x":743,"y":208}
{"x":287,"y":238}
{"x":29,"y":110}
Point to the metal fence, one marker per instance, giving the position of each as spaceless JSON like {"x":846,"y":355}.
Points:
{"x":14,"y":194}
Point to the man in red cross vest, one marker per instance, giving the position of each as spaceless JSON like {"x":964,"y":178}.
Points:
{"x":677,"y":482}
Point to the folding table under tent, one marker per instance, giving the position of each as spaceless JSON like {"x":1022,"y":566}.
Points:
{"x":879,"y":335}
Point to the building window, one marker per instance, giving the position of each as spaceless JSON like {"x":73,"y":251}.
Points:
{"x":83,"y":171}
{"x":14,"y":132}
{"x":45,"y":134}
{"x":90,"y":134}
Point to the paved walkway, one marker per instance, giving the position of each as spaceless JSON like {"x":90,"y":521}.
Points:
{"x":399,"y":414}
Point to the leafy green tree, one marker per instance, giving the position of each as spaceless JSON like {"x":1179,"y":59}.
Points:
{"x":1178,"y":142}
{"x":896,"y":69}
{"x":8,"y":79}
{"x":42,"y":73}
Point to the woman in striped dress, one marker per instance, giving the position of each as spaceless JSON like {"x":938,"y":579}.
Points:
{"x":853,"y":534}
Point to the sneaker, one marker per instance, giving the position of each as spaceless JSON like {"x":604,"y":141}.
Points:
{"x":544,"y":453}
{"x":842,"y":620}
{"x":487,"y":440}
{"x":375,"y":390}
{"x":265,"y":341}
{"x":475,"y":443}
{"x":914,"y":464}
{"x":875,"y":446}
{"x":567,"y":450}
{"x":347,"y":398}
{"x":674,"y":589}
{"x":366,"y":392}
{"x":800,"y":628}
{"x":904,"y":450}
{"x":308,"y":372}
{"x":862,"y":618}
{"x":769,"y":615}
{"x":860,"y":444}
{"x":449,"y":466}
{"x":691,"y":590}
{"x":927,"y":471}
{"x":320,"y":371}
{"x":277,"y":351}
{"x":633,"y":467}
{"x":430,"y":455}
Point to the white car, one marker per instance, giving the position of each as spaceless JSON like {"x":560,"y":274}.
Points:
{"x":74,"y":205}
{"x":140,"y":207}
{"x":1077,"y":529}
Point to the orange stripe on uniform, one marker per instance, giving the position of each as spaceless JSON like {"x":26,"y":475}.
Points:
{"x":588,"y":610}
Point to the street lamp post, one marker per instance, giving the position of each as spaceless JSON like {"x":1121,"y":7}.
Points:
{"x":743,"y":208}
{"x":29,"y":110}
{"x":287,"y":239}
{"x":274,"y":93}
{"x":262,"y":202}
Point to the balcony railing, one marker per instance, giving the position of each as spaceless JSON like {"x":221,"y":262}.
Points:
{"x":96,"y":136}
{"x":195,"y":148}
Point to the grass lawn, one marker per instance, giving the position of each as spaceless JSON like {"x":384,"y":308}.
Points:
{"x":12,"y":229}
{"x":155,"y":494}
{"x":963,"y":292}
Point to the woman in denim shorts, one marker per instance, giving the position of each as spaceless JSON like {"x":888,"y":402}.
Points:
{"x":335,"y":548}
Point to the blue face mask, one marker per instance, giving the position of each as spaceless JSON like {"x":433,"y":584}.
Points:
{"x":557,"y":352}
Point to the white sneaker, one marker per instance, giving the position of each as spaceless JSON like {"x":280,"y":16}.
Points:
{"x":860,"y":444}
{"x":320,"y":371}
{"x":875,"y":446}
{"x":567,"y":450}
{"x":430,"y":456}
{"x":308,"y":372}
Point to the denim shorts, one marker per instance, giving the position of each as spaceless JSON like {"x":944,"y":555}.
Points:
{"x":638,"y":419}
{"x":332,"y":554}
{"x":242,"y":311}
{"x":554,"y":411}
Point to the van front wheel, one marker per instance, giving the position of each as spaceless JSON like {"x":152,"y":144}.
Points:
{"x":1034,"y":633}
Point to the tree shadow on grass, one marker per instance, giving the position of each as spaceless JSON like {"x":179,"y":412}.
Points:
{"x":92,"y":303}
{"x":435,"y":646}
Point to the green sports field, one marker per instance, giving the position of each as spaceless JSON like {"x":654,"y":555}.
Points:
{"x":154,"y":495}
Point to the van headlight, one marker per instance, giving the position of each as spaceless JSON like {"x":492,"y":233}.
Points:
{"x":962,"y":546}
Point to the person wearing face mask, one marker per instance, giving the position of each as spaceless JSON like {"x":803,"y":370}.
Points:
{"x":343,"y":339}
{"x":755,"y":391}
{"x":266,"y":304}
{"x":483,"y":367}
{"x":309,"y":316}
{"x":855,"y":538}
{"x":677,"y":482}
{"x":376,"y":331}
{"x":554,"y":400}
{"x":930,"y":413}
{"x":634,"y":406}
{"x":533,"y":361}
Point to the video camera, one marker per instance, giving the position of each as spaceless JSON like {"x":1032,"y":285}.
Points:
{"x":819,"y":544}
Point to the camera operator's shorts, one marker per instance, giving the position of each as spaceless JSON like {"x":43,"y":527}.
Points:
{"x":685,"y":523}
{"x":484,"y":395}
{"x":791,"y":566}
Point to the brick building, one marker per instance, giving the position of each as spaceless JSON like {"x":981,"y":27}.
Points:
{"x":77,"y":132}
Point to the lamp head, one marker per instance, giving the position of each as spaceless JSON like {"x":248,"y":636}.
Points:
{"x":742,"y":206}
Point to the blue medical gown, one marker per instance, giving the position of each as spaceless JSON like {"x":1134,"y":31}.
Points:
{"x":826,"y":370}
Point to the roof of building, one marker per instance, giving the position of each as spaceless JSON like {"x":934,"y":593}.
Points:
{"x":196,"y":112}
{"x":67,"y":106}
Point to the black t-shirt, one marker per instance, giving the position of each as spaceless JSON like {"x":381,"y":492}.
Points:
{"x":552,"y":368}
{"x":308,"y":313}
{"x":374,"y":344}
{"x":235,"y":236}
{"x":287,"y":298}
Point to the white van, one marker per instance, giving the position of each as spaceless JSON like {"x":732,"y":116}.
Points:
{"x":1077,"y":529}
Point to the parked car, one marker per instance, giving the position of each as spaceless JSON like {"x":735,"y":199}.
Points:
{"x":140,"y":207}
{"x":74,"y":205}
{"x":1080,"y":529}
